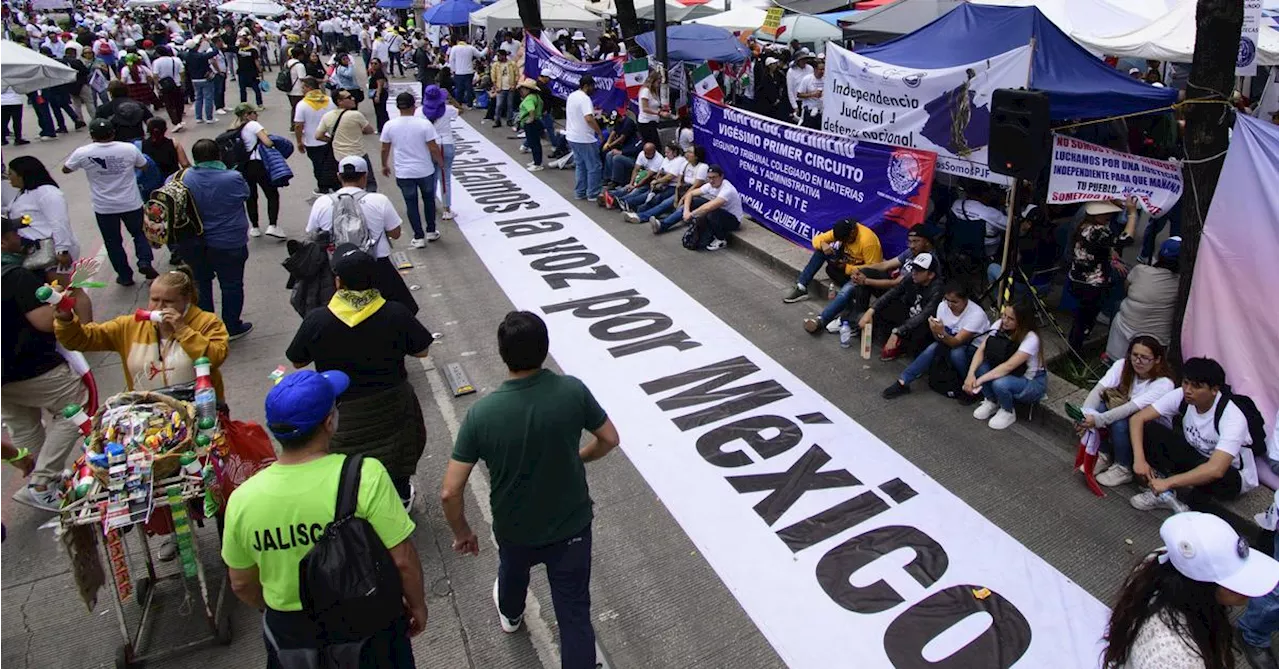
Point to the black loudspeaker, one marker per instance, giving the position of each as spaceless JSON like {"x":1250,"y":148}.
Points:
{"x":1020,"y":138}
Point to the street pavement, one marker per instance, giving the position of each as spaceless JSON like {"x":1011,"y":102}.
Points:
{"x":656,"y":602}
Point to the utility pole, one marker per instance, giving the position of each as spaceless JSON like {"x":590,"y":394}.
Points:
{"x":1218,"y":24}
{"x":660,"y":32}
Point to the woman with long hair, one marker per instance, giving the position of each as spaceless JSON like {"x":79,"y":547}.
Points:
{"x":438,"y":108}
{"x":40,"y":199}
{"x":1133,"y":383}
{"x":650,"y":108}
{"x":139,"y":79}
{"x":1172,"y":610}
{"x":315,"y":68}
{"x":1149,"y":300}
{"x":378,"y":92}
{"x":666,"y":213}
{"x":168,"y":153}
{"x":252,"y":134}
{"x":1008,"y":367}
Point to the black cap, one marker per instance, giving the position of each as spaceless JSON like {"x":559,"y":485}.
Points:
{"x":405,"y":100}
{"x":353,"y":266}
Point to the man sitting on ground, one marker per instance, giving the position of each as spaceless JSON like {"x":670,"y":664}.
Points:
{"x":663,"y":180}
{"x":874,"y":279}
{"x":845,"y":250}
{"x":716,"y":205}
{"x":905,"y":309}
{"x":642,"y":169}
{"x":957,"y":328}
{"x":1209,"y":457}
{"x":624,"y":144}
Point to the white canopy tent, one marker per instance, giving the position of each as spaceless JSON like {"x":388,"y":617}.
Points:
{"x":738,"y":18}
{"x":807,"y":29}
{"x":254,"y":7}
{"x":897,"y":18}
{"x":1171,"y":39}
{"x":555,"y":14}
{"x":676,"y":10}
{"x":25,"y":70}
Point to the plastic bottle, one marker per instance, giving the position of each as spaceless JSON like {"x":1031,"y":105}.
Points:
{"x":206,"y":396}
{"x":190,"y":464}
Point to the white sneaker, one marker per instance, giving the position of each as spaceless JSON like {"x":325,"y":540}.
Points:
{"x":220,"y":112}
{"x":1115,"y":475}
{"x":524,"y":149}
{"x":834,"y":326}
{"x":1144,"y":501}
{"x":508,"y":625}
{"x":1002,"y":419}
{"x":536,"y":168}
{"x":273,"y":231}
{"x":520,"y":134}
{"x":986,"y":410}
{"x":254,"y":231}
{"x":418,"y":243}
{"x":717,"y":244}
{"x":1102,"y":465}
{"x":45,"y":500}
{"x":180,"y":127}
{"x":529,"y":164}
{"x":447,"y":215}
{"x":432,"y":236}
{"x":632,"y":217}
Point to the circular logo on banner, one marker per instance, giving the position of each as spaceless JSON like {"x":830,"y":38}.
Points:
{"x":903,"y":172}
{"x":913,"y":80}
{"x":701,"y":111}
{"x":1246,"y":53}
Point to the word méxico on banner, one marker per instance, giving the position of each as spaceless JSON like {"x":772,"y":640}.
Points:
{"x":728,"y":410}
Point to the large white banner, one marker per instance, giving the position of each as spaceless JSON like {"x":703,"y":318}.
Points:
{"x":1085,"y":172}
{"x":947,"y":110}
{"x":1247,"y":53}
{"x":842,"y":552}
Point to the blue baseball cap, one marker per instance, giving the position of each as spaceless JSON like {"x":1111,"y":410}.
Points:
{"x":302,"y":401}
{"x":1171,"y":247}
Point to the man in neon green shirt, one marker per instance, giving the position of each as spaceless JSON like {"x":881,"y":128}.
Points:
{"x":275,"y":517}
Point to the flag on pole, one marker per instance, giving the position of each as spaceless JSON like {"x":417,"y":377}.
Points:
{"x":704,"y":84}
{"x":634,"y":73}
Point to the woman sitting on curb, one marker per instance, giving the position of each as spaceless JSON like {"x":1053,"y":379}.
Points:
{"x":1008,"y":367}
{"x":1131,"y":385}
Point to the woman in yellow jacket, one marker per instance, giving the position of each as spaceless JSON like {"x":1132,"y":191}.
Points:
{"x":156,"y":355}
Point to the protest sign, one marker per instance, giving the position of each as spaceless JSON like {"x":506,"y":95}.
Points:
{"x":1247,"y":53}
{"x":566,"y":73}
{"x":799,"y":182}
{"x":1084,"y":172}
{"x":945,"y":110}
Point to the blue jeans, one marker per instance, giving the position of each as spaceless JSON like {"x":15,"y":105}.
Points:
{"x":671,"y":220}
{"x":109,"y":226}
{"x":533,"y":139}
{"x":587,"y":169}
{"x":446,"y":174}
{"x":837,"y":306}
{"x":1172,"y":218}
{"x":226,"y":265}
{"x":410,"y":188}
{"x":621,"y":167}
{"x":464,"y":88}
{"x":44,"y":115}
{"x":1118,"y":435}
{"x":504,"y":108}
{"x":205,"y":91}
{"x":569,"y":575}
{"x":634,"y":198}
{"x":1007,"y":390}
{"x":557,"y":140}
{"x":1259,"y":619}
{"x":660,"y":207}
{"x":816,"y":262}
{"x":960,"y":356}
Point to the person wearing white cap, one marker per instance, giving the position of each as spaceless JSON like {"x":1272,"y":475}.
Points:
{"x":800,"y":68}
{"x":1090,"y":274}
{"x":1172,"y":610}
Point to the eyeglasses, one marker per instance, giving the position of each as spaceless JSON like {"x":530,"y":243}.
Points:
{"x":1144,"y":359}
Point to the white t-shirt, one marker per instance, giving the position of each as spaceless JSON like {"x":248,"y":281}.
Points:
{"x":576,"y":110}
{"x":8,"y":96}
{"x":1031,"y":346}
{"x":462,"y":59}
{"x":109,"y":167}
{"x":732,"y":201}
{"x":379,"y":214}
{"x":795,"y":75}
{"x":1143,"y":392}
{"x":674,"y":165}
{"x":685,"y":138}
{"x":169,"y":66}
{"x":642,"y":116}
{"x":652,"y":164}
{"x":810,"y":84}
{"x":310,"y":120}
{"x":249,"y":137}
{"x":972,"y":319}
{"x":297,"y":72}
{"x":444,"y":125}
{"x":1231,"y":436}
{"x":511,"y":47}
{"x":380,"y":50}
{"x":144,"y":75}
{"x":408,"y":137}
{"x":695,"y":173}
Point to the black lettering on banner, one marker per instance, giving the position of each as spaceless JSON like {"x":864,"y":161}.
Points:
{"x":530,"y":219}
{"x":785,"y":488}
{"x":750,"y":431}
{"x":485,"y":186}
{"x":680,"y":341}
{"x":501,"y":198}
{"x":1001,"y":645}
{"x":564,"y":261}
{"x":826,"y":524}
{"x":594,"y":307}
{"x":630,"y":326}
{"x":561,"y":279}
{"x":559,"y":246}
{"x":841,"y":562}
{"x":736,"y":400}
{"x":525,"y":229}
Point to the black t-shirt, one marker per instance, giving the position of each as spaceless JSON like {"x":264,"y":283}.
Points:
{"x":28,"y":352}
{"x":373,"y":86}
{"x":247,"y":61}
{"x":371,"y":353}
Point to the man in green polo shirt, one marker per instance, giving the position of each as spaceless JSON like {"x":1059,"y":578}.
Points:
{"x":274,"y":518}
{"x":528,"y":433}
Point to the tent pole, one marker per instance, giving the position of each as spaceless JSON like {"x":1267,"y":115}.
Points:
{"x":1006,"y":273}
{"x":660,"y":32}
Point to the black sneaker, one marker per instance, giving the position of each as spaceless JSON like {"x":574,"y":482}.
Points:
{"x":124,"y":280}
{"x":895,"y":390}
{"x":21,"y":142}
{"x":245,"y":328}
{"x":148,"y":271}
{"x":797,"y":294}
{"x":407,"y":502}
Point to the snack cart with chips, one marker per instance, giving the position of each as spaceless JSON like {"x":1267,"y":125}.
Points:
{"x":147,"y":460}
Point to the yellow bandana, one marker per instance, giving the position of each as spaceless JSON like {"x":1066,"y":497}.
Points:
{"x":317,"y":99}
{"x":354,"y":306}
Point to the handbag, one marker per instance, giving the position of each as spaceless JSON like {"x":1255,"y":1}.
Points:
{"x":999,"y":349}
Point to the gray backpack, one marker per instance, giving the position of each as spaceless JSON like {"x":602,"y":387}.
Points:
{"x":349,"y":226}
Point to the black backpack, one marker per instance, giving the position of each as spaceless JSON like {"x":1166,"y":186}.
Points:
{"x":348,"y":582}
{"x":232,"y":150}
{"x":943,"y":377}
{"x":999,"y":348}
{"x":1257,"y":424}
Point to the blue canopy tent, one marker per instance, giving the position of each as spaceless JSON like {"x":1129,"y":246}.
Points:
{"x":451,"y":13}
{"x":395,"y":4}
{"x":1078,"y":83}
{"x":696,"y":43}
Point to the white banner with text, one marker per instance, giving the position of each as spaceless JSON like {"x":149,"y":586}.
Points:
{"x":839,"y":549}
{"x":1085,"y":172}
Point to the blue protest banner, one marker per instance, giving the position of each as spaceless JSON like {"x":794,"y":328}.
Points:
{"x":565,"y":73}
{"x":798,"y":182}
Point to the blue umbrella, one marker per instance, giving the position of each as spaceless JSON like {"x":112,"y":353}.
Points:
{"x":395,"y":4}
{"x":451,"y":13}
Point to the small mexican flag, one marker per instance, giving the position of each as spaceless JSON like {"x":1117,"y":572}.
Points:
{"x":704,"y":84}
{"x":634,"y":72}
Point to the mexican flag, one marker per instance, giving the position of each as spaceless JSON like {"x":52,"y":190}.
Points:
{"x":704,"y":84}
{"x":634,"y":72}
